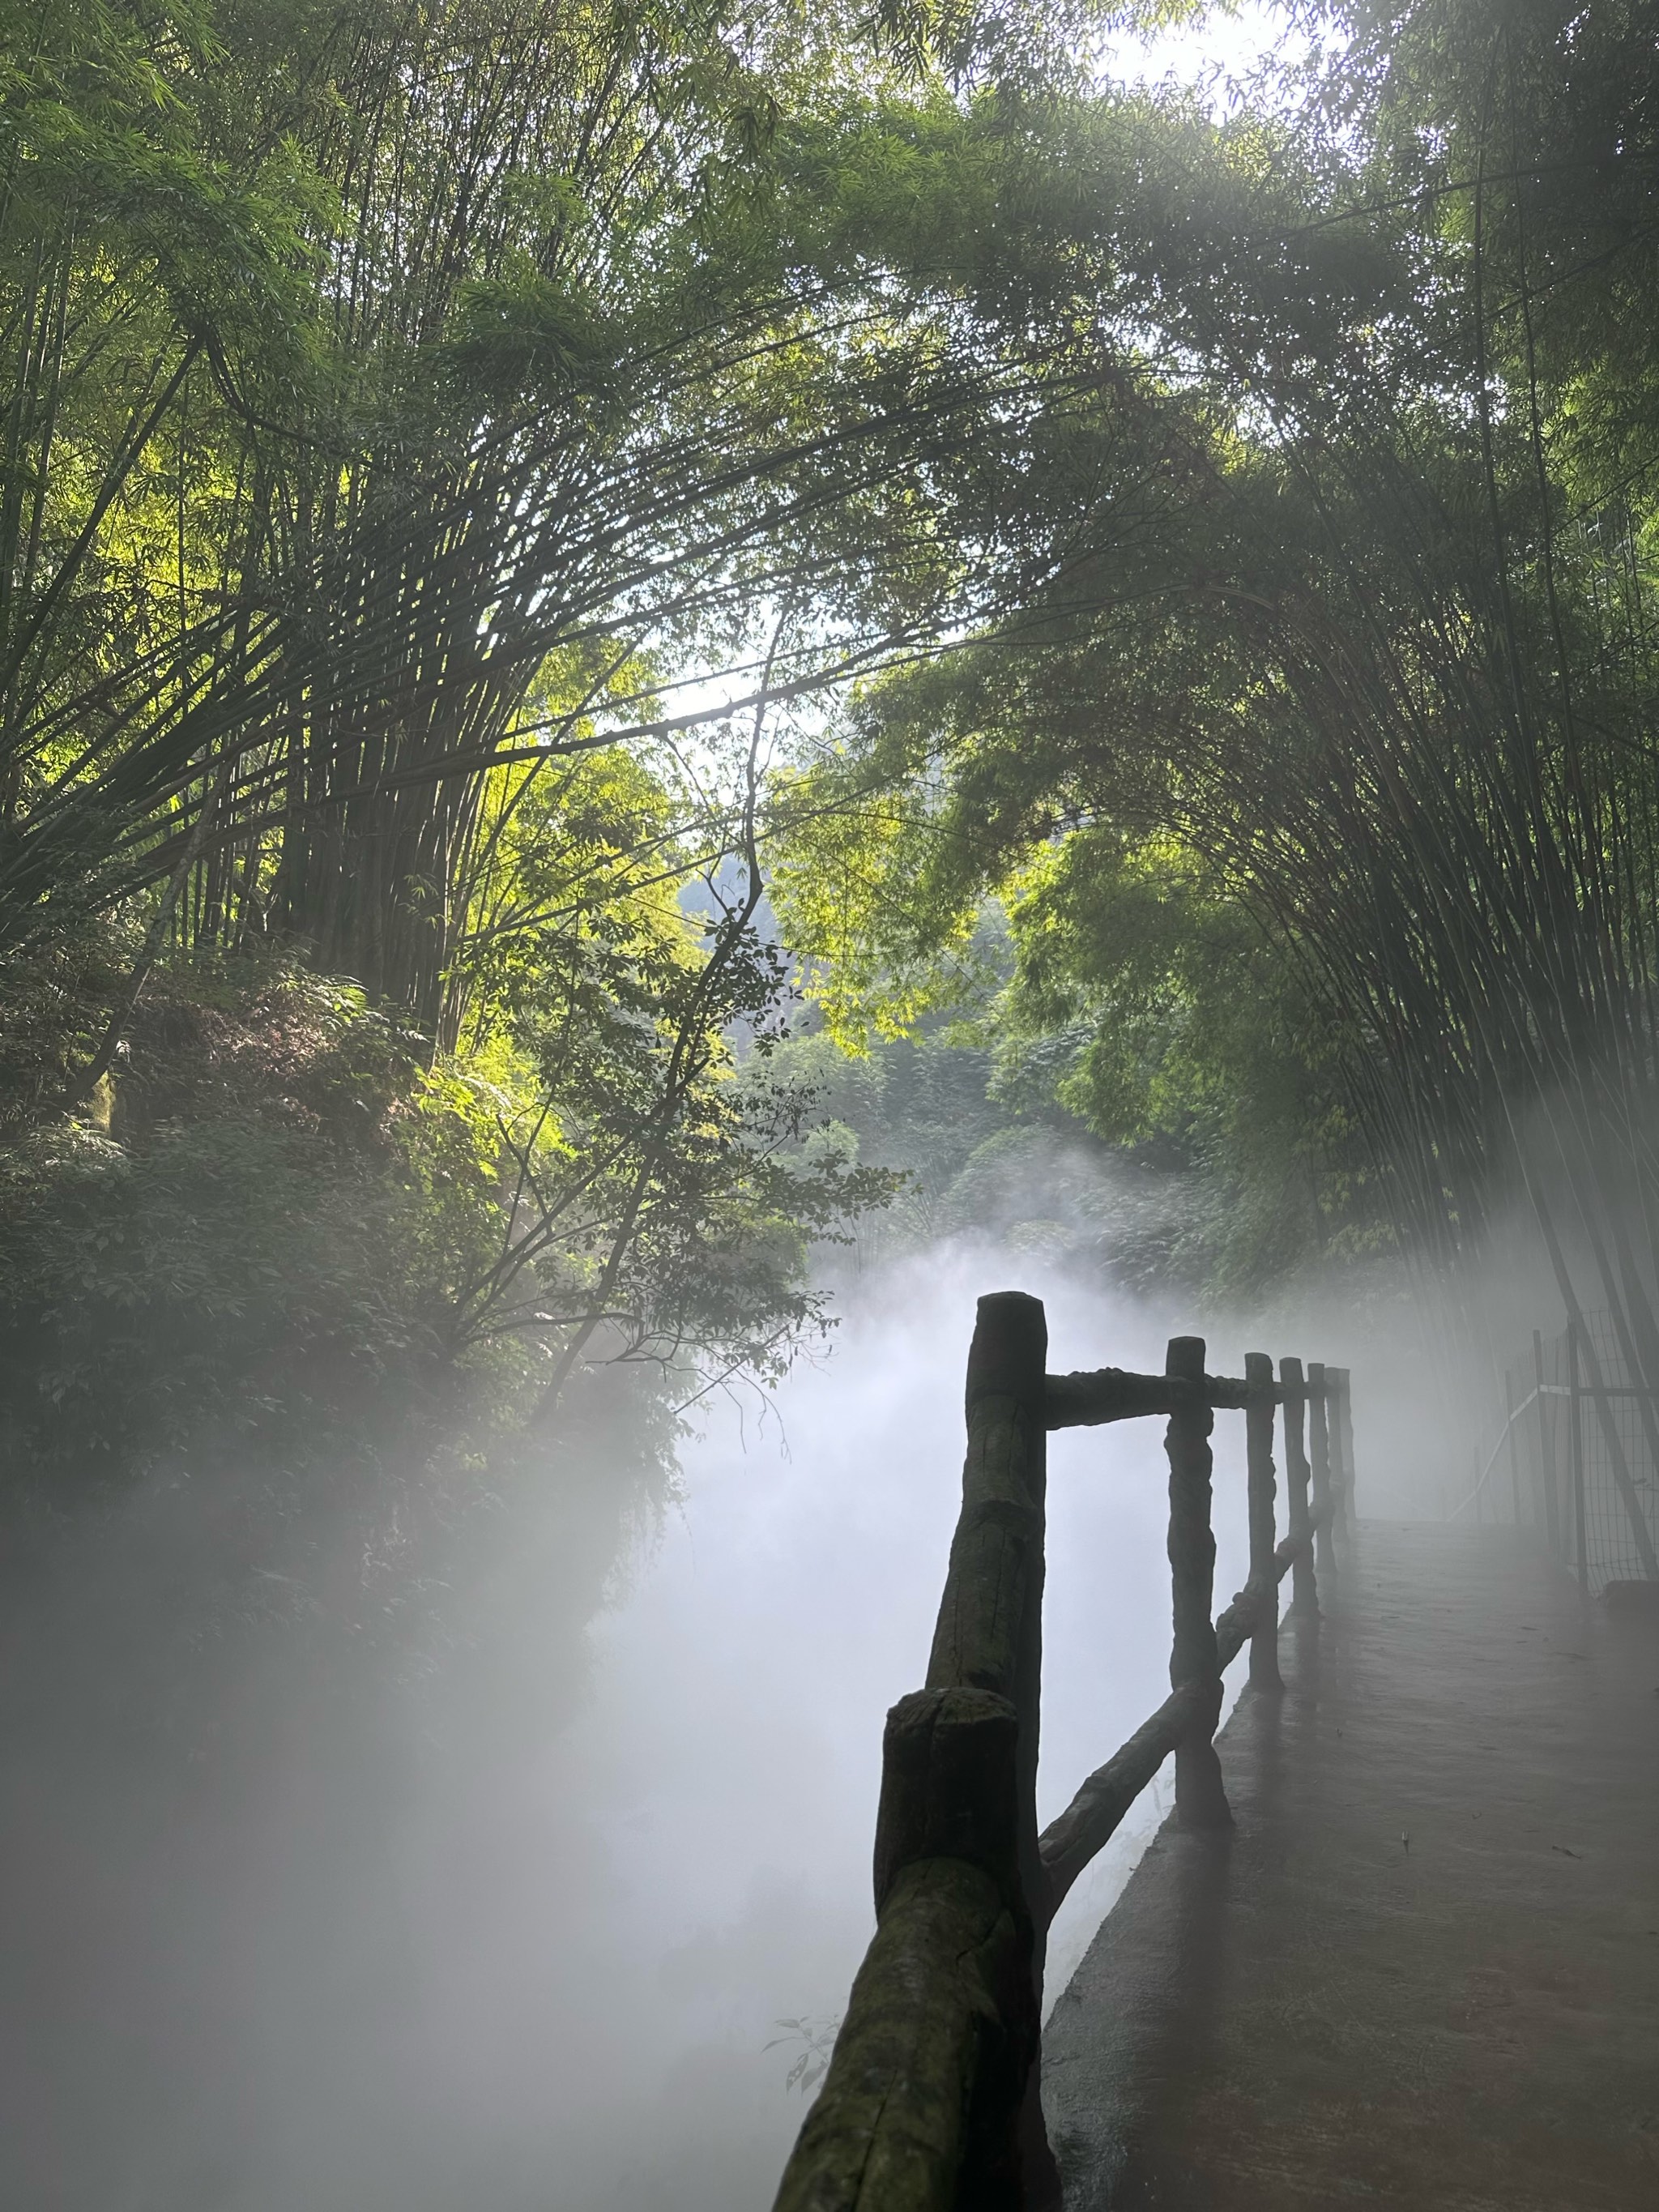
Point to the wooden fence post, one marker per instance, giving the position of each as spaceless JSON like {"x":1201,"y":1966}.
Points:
{"x":1337,"y":1477}
{"x":989,"y":1631}
{"x":1007,"y":1380}
{"x":1304,"y":1586}
{"x":1547,"y":1474}
{"x":1200,"y":1799}
{"x":1258,"y":1455}
{"x":926,"y":2102}
{"x":1577,"y":1401}
{"x":1319,"y":1451}
{"x":1345,"y":1410}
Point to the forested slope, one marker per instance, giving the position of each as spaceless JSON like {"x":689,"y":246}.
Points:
{"x":406,"y":406}
{"x":474,"y":476}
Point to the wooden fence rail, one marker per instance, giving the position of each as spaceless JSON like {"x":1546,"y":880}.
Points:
{"x":930,"y":2103}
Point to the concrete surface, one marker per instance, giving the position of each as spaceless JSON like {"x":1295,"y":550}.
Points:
{"x":1311,"y":2011}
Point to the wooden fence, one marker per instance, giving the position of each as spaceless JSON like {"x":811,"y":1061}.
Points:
{"x":930,"y":2103}
{"x":1577,"y":1457}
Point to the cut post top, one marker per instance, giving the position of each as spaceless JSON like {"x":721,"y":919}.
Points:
{"x":1010,"y":1352}
{"x":1185,"y":1358}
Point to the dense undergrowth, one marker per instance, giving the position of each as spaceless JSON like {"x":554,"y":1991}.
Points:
{"x":255,"y":1224}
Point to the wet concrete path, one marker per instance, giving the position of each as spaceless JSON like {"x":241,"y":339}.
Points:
{"x":1313,"y":2011}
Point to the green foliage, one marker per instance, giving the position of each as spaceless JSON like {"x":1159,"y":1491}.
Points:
{"x":1231,"y":542}
{"x":1147,"y":1001}
{"x":654,"y":1190}
{"x":265,"y":1239}
{"x":1316,"y":751}
{"x":984,"y":1149}
{"x":395,"y":395}
{"x":295,"y":1209}
{"x":476,"y":337}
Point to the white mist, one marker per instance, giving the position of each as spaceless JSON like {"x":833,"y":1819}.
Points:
{"x":730,"y":1756}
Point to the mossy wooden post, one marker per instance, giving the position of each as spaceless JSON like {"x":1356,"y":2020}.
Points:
{"x":1293,"y":1396}
{"x":1345,"y":1410}
{"x":925,"y":2108}
{"x":1336,"y":1475}
{"x":1200,"y":1799}
{"x":1259,"y":1462}
{"x":1341,"y":1474}
{"x":1319,"y":1455}
{"x":989,"y":1637}
{"x":989,"y":1631}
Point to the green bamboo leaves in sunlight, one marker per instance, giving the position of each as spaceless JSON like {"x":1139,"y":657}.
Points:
{"x":488,"y":491}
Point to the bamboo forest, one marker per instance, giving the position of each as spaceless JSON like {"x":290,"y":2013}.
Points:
{"x":681,"y":684}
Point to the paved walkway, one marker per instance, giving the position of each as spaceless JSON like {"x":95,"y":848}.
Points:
{"x":1311,"y":2011}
